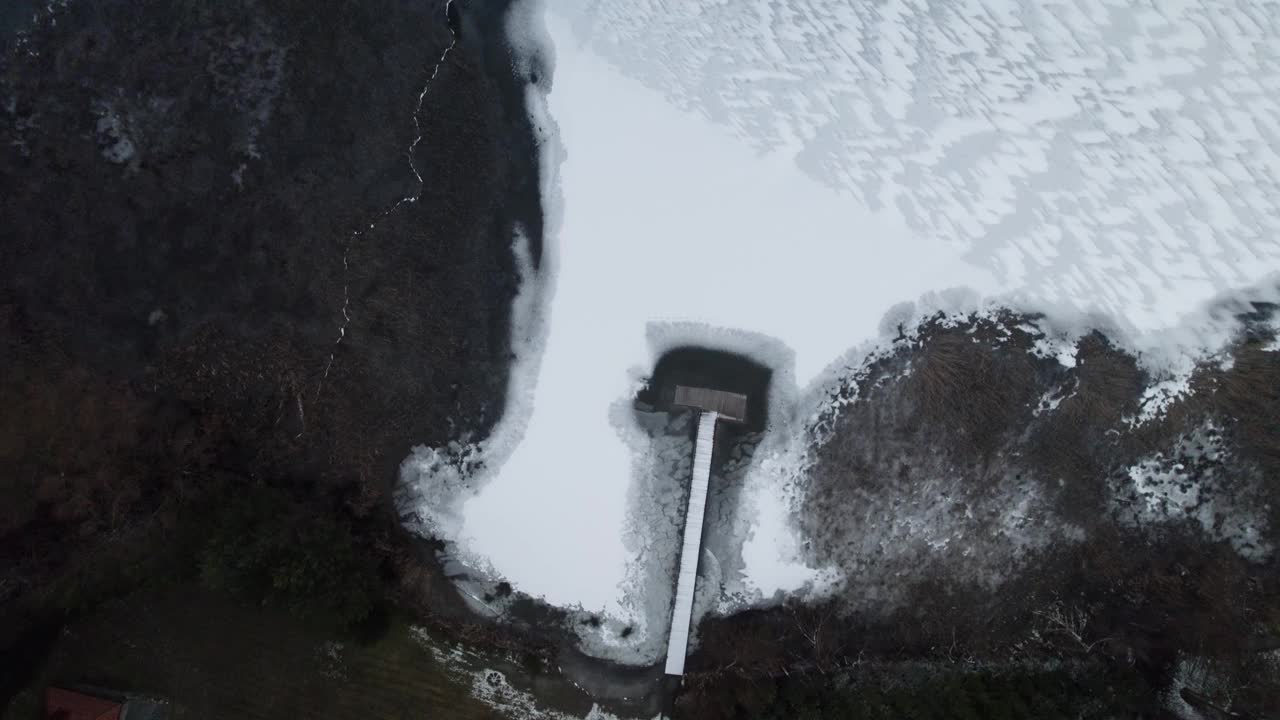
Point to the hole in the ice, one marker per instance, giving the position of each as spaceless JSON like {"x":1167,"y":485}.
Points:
{"x":707,"y":368}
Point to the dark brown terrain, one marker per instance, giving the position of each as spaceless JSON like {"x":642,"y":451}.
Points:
{"x":252,"y":252}
{"x":228,"y":308}
{"x":999,"y":561}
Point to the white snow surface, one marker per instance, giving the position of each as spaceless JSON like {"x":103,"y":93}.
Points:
{"x":797,"y":170}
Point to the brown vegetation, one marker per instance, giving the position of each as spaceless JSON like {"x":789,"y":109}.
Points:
{"x":1246,"y":396}
{"x":169,"y":326}
{"x":973,"y":392}
{"x":1075,"y":446}
{"x":958,"y":402}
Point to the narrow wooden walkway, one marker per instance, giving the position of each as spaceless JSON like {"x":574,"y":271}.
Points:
{"x":682,"y":613}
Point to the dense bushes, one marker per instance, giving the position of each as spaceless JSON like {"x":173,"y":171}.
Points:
{"x":960,"y":695}
{"x":266,"y":547}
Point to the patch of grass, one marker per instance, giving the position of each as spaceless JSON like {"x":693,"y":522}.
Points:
{"x":941,"y":695}
{"x":267,"y":549}
{"x":95,"y":576}
{"x":212,"y":657}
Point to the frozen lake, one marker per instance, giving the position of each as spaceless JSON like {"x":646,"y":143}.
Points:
{"x":796,"y":170}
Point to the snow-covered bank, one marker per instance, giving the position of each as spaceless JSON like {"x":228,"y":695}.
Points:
{"x":799,"y":174}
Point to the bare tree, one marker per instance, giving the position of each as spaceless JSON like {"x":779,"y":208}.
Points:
{"x":816,"y":625}
{"x":1069,"y":623}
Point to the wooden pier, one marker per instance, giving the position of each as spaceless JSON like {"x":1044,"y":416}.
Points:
{"x":729,"y":406}
{"x":691,"y":549}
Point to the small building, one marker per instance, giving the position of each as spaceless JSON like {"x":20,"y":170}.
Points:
{"x":61,"y":704}
{"x":91,"y":703}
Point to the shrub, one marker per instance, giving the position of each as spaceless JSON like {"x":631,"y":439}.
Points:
{"x":271,"y":550}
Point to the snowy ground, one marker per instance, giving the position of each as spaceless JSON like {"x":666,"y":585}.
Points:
{"x":799,"y":170}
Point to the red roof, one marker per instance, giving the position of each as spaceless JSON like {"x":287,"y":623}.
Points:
{"x":62,"y":704}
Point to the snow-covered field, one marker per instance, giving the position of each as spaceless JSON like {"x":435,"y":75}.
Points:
{"x":720,"y":172}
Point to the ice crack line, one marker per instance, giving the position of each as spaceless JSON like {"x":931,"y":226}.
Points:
{"x":417,"y":124}
{"x":356,"y":234}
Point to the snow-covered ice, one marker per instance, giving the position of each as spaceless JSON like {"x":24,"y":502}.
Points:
{"x":800,"y":169}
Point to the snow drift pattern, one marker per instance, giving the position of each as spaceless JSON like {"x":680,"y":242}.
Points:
{"x":1092,"y":148}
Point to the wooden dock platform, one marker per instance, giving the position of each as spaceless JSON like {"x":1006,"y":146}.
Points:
{"x":729,"y":406}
